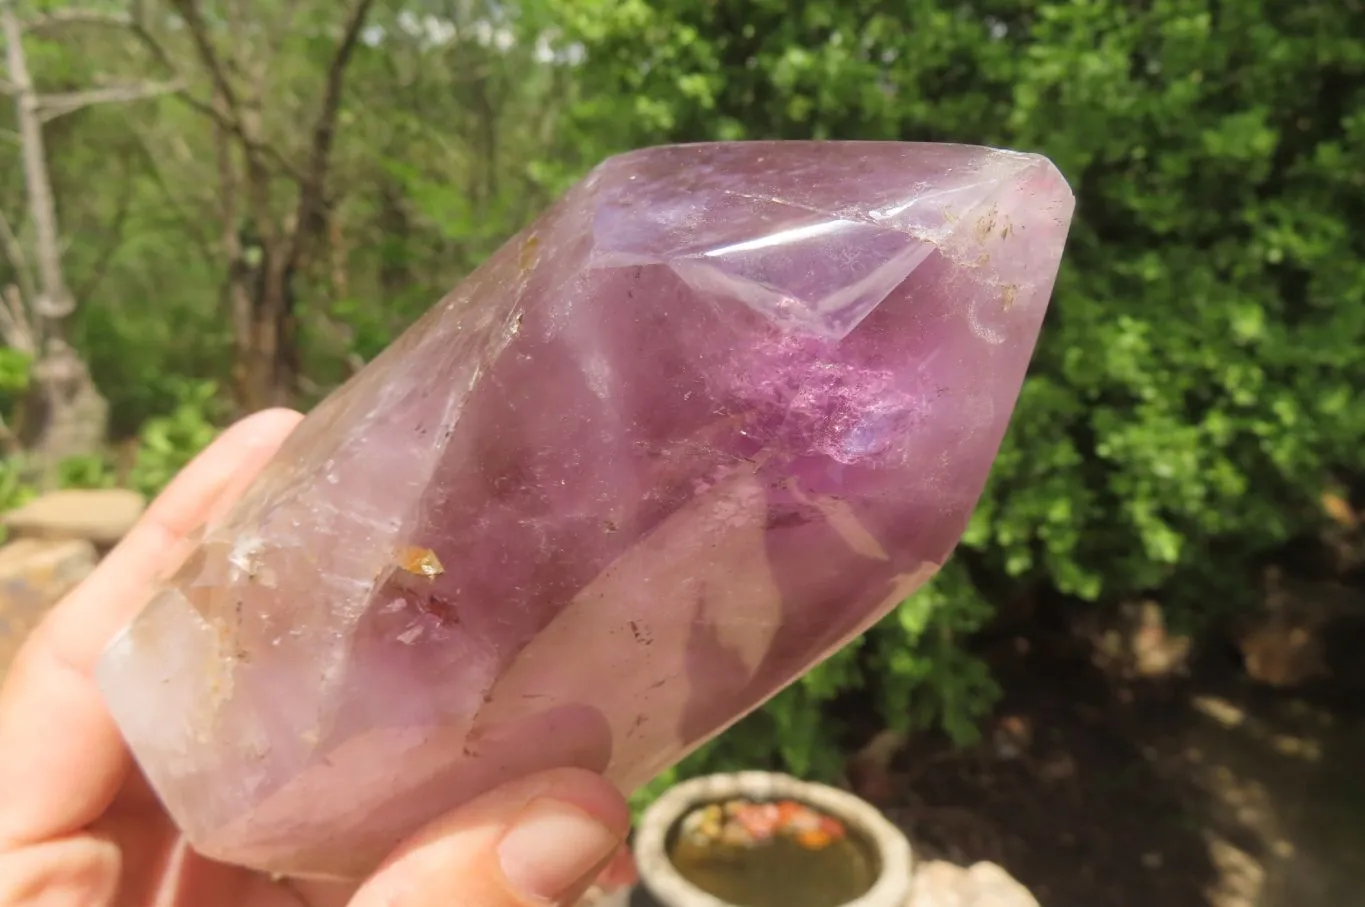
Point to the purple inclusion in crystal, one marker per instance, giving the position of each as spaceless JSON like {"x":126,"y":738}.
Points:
{"x":709,"y":418}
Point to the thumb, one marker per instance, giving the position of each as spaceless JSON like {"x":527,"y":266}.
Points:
{"x":540,"y":840}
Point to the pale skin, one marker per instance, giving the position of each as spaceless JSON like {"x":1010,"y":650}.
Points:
{"x":79,"y":826}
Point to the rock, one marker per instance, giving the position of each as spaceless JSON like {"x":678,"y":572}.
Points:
{"x":1282,"y":653}
{"x":1285,"y":644}
{"x":34,"y":574}
{"x":1133,"y":642}
{"x":75,"y":417}
{"x":869,"y":770}
{"x":102,"y":516}
{"x":1012,"y":737}
{"x":942,"y":884}
{"x":1341,"y":543}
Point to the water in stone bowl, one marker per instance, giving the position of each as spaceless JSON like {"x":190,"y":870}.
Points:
{"x":772,"y":854}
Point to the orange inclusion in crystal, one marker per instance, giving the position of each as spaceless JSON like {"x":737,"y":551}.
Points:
{"x":420,"y":562}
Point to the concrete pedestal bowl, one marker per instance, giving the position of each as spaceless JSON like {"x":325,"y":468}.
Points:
{"x":665,"y":885}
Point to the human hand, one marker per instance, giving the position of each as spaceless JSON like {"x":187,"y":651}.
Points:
{"x":80,"y":827}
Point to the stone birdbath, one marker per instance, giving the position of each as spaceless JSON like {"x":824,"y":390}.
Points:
{"x":761,"y":839}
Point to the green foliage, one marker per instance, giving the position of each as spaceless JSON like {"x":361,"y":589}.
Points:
{"x":1196,"y":384}
{"x":167,"y":443}
{"x":92,"y":471}
{"x":164,"y":445}
{"x":15,"y":367}
{"x":15,"y":491}
{"x":924,"y":678}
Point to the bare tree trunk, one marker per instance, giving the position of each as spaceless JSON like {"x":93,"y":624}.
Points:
{"x":54,"y":302}
{"x":262,"y":274}
{"x":272,"y":365}
{"x":242,"y":259}
{"x":72,"y":417}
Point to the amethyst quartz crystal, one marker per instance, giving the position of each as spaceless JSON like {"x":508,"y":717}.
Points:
{"x":706,"y":420}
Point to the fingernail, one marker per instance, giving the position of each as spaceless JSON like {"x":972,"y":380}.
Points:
{"x":553,"y":847}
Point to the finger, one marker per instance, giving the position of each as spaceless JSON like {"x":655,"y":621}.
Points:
{"x":537,"y":841}
{"x":80,"y":626}
{"x":61,"y":756}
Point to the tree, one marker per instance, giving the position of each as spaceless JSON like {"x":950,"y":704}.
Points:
{"x":69,"y":414}
{"x":271,"y":195}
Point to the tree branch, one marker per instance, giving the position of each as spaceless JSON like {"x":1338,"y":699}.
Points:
{"x":192,"y":225}
{"x":77,"y":17}
{"x":234,"y":291}
{"x":14,"y":252}
{"x":227,"y":113}
{"x":310,"y":214}
{"x":203,"y":44}
{"x":144,"y":37}
{"x":53,"y":302}
{"x":15,"y":327}
{"x":231,"y":119}
{"x":152,"y":45}
{"x":52,"y":106}
{"x":114,"y":230}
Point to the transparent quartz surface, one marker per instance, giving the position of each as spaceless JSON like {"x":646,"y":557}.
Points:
{"x":706,"y":420}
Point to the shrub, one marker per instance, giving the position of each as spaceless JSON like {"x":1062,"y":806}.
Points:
{"x":1195,"y":388}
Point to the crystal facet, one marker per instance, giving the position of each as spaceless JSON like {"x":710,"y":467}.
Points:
{"x":709,"y":418}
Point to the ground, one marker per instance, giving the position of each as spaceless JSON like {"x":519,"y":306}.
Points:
{"x":1206,"y":791}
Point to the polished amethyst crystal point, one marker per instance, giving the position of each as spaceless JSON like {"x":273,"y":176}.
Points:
{"x":704,"y":422}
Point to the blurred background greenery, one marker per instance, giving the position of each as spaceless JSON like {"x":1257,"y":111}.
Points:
{"x":252,"y":197}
